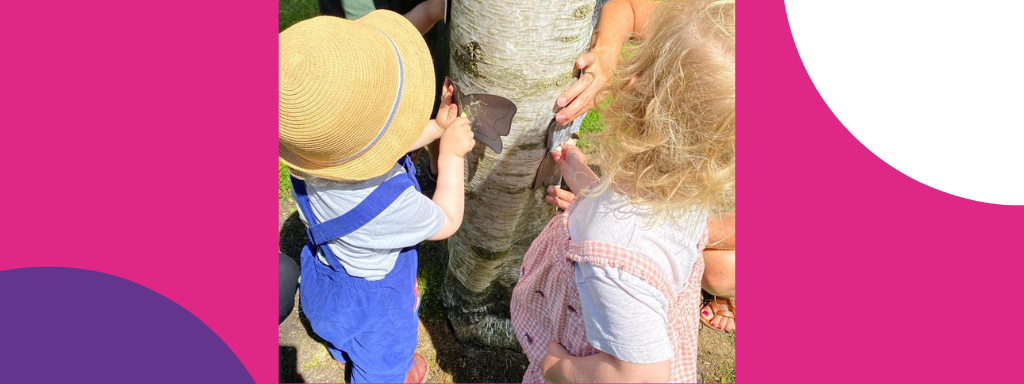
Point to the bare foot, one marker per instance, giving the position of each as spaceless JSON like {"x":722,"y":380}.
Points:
{"x":419,"y":370}
{"x":718,"y":321}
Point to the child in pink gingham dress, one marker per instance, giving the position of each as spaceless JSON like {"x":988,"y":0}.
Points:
{"x":546,"y":302}
{"x":610,"y":289}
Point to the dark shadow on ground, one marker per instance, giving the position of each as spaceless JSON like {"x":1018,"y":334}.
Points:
{"x":292,"y":237}
{"x":288,"y":371}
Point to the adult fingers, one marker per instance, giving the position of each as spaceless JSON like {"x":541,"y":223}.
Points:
{"x":572,"y":97}
{"x":586,"y":60}
{"x":583,"y":63}
{"x":583,"y":103}
{"x":573,"y":92}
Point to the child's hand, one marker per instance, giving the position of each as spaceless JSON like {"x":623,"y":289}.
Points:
{"x":559,"y":197}
{"x":573,"y":165}
{"x":448,"y":111}
{"x":457,"y":139}
{"x":568,"y":157}
{"x":556,"y":353}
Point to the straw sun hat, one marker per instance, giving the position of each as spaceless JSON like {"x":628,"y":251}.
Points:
{"x":353,"y":95}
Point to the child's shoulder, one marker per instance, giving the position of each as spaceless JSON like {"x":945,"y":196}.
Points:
{"x":672,"y":247}
{"x":611,"y":217}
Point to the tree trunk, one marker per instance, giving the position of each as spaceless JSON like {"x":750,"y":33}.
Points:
{"x":524,"y":50}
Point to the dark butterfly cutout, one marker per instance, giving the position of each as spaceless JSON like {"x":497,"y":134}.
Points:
{"x":447,"y":11}
{"x":490,"y":115}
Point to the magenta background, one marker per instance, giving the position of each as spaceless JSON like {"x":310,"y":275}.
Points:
{"x":140,"y":142}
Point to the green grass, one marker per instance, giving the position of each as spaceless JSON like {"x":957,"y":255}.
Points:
{"x":591,"y":124}
{"x":284,"y":185}
{"x":293,"y":11}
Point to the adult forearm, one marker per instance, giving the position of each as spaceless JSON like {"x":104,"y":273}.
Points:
{"x":421,"y":17}
{"x":613,"y":30}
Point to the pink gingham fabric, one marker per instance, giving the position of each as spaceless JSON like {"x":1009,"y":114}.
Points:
{"x":546,"y":304}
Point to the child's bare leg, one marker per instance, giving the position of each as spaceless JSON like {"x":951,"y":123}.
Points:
{"x":719,"y":280}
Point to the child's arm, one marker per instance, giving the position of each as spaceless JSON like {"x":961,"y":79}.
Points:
{"x":573,"y":165}
{"x":446,"y":113}
{"x":426,"y":14}
{"x":432,"y":132}
{"x":456,"y":141}
{"x":561,"y":367}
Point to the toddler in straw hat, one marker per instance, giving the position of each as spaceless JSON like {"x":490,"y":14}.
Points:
{"x":354,"y":98}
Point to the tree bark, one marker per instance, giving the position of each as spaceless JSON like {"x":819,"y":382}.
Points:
{"x":524,"y":50}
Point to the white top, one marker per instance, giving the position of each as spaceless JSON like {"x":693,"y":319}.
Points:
{"x":370,"y":252}
{"x":626,"y":317}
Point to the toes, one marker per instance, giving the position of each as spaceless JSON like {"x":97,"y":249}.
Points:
{"x":706,"y":312}
{"x":730,"y":325}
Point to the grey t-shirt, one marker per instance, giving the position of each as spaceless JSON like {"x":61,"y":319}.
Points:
{"x":624,"y":316}
{"x":370,"y":252}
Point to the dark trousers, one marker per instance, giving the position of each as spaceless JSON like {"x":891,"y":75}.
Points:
{"x":288,"y":276}
{"x":331,"y":8}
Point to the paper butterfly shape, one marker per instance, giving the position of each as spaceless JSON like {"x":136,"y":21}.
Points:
{"x":490,"y":115}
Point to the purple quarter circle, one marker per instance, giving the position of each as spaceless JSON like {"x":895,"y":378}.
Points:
{"x":64,"y":325}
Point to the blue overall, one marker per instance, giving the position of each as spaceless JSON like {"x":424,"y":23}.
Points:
{"x":371,"y":325}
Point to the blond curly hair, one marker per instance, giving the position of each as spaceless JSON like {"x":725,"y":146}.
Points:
{"x":671,"y":123}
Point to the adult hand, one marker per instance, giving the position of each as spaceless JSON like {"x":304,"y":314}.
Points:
{"x":596,"y":70}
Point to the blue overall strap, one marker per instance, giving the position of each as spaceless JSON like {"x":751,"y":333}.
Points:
{"x":410,"y":169}
{"x":302,"y":200}
{"x":367,"y":210}
{"x":378,"y":200}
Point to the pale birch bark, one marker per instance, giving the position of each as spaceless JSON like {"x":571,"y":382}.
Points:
{"x":524,"y":50}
